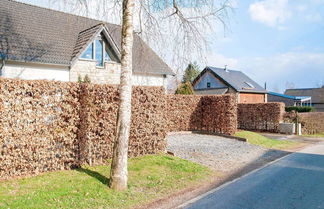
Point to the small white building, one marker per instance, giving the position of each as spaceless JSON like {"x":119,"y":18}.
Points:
{"x":39,"y":43}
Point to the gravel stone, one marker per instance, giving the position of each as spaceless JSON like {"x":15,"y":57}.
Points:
{"x":218,"y":153}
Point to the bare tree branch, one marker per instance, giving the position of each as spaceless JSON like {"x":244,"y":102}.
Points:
{"x":177,"y":30}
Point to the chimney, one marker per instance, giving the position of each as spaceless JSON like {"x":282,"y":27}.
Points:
{"x":265,"y":85}
{"x":226,"y":70}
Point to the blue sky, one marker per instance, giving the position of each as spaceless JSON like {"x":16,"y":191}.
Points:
{"x":280,"y":42}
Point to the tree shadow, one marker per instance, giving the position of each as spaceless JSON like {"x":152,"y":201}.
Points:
{"x":103,"y":179}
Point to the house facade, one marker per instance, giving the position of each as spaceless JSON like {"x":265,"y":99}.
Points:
{"x":224,"y":81}
{"x":58,"y":46}
{"x":317,"y":95}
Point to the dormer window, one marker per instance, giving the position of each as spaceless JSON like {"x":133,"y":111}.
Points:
{"x":100,"y":51}
{"x":107,"y":56}
{"x":88,"y":54}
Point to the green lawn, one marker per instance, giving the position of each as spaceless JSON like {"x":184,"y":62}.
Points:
{"x":150,"y":177}
{"x":258,"y":139}
{"x":319,"y":135}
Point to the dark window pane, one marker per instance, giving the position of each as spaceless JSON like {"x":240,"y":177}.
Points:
{"x":208,"y":84}
{"x":88,"y":54}
{"x":107,"y":53}
{"x":99,"y":50}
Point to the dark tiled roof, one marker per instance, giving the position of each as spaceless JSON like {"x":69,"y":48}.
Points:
{"x":237,"y":80}
{"x":215,"y":90}
{"x":34,"y":34}
{"x":317,"y":94}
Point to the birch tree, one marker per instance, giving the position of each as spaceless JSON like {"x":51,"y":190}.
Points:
{"x":119,"y":172}
{"x":191,"y":35}
{"x":177,"y":29}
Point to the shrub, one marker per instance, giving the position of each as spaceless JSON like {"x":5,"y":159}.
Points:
{"x":299,"y":109}
{"x":191,"y":72}
{"x":86,"y":79}
{"x":185,"y":88}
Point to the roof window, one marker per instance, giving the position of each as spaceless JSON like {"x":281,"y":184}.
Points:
{"x":250,"y":85}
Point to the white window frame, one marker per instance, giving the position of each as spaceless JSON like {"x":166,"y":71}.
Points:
{"x":98,"y":38}
{"x":94,"y":52}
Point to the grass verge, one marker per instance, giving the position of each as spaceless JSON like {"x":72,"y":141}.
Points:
{"x":150,"y":177}
{"x":319,"y":135}
{"x":258,"y":139}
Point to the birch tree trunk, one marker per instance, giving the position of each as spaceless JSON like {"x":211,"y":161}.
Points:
{"x":119,"y":172}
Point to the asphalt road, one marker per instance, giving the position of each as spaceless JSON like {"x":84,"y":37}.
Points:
{"x":295,"y":181}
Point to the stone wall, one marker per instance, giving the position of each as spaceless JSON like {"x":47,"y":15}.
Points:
{"x":110,"y":73}
{"x":260,"y":116}
{"x":148,"y":79}
{"x":47,"y":126}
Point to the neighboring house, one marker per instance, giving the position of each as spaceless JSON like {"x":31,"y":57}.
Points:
{"x":317,"y":95}
{"x":224,"y":81}
{"x":39,"y":43}
{"x":289,"y":100}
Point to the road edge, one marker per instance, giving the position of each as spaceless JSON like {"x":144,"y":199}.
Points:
{"x":189,"y":202}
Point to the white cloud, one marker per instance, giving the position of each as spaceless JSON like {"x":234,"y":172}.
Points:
{"x":314,"y":17}
{"x":270,"y":12}
{"x":282,"y":28}
{"x":301,"y":8}
{"x":219,"y":60}
{"x":302,"y":69}
{"x":318,"y":2}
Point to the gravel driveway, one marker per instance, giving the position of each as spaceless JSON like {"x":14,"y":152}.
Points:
{"x":219,"y":153}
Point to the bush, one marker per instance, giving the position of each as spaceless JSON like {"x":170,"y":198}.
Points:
{"x":85,"y":80}
{"x":299,"y":109}
{"x":185,"y":88}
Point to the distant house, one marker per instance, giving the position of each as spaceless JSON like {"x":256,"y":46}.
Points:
{"x":317,"y":95}
{"x":290,"y":100}
{"x":214,"y":80}
{"x":39,"y":43}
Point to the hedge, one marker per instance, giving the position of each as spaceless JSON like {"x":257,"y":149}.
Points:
{"x":299,"y":109}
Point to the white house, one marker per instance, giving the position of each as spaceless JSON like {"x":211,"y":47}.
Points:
{"x":39,"y":43}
